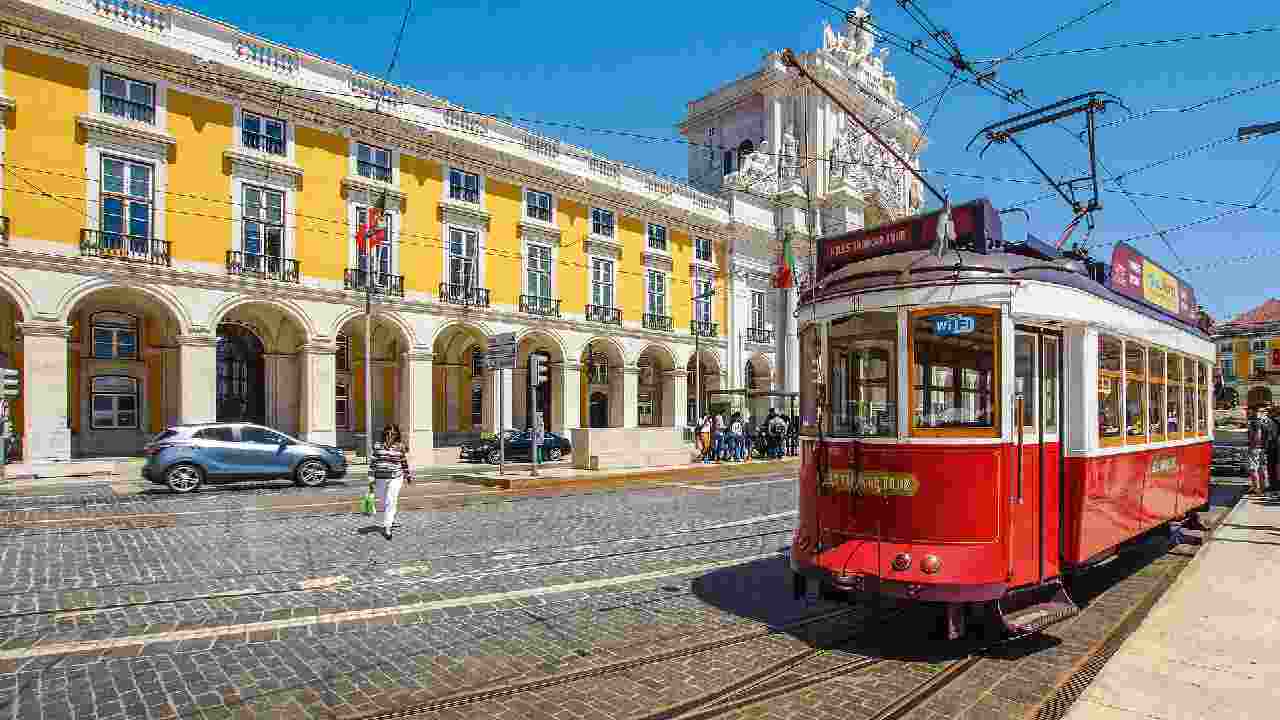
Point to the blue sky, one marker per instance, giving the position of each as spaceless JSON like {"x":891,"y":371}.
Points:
{"x":634,"y":66}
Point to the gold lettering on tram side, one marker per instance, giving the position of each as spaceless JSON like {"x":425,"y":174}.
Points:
{"x":1164,"y":465}
{"x":872,"y":483}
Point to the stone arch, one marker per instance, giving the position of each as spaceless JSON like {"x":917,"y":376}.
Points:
{"x":546,"y":398}
{"x":161,"y":295}
{"x":656,"y":394}
{"x":465,"y":390}
{"x":603,"y":366}
{"x":711,"y":379}
{"x":286,"y":307}
{"x":280,"y":378}
{"x":390,"y":338}
{"x":389,"y":318}
{"x":762,"y":369}
{"x":15,"y":293}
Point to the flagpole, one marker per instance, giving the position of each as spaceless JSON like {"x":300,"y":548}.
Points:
{"x":368,"y":359}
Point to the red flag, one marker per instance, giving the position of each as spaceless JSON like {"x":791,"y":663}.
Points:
{"x":371,"y":232}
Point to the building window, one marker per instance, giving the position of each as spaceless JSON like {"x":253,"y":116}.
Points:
{"x":1257,"y":346}
{"x":728,"y":161}
{"x":601,"y":222}
{"x":757,"y":310}
{"x":657,"y":293}
{"x":342,"y":407}
{"x":597,"y":369}
{"x":1259,"y":367}
{"x":126,"y":204}
{"x":1225,"y":346}
{"x":1228,"y":368}
{"x":374,"y":162}
{"x":463,"y":248}
{"x":128,"y":99}
{"x":540,"y":271}
{"x":657,"y":237}
{"x":381,"y":251}
{"x":342,"y":359}
{"x":263,"y":133}
{"x":115,"y":336}
{"x":702,"y":249}
{"x":702,"y":306}
{"x":644,"y":402}
{"x":602,"y":283}
{"x":263,"y":223}
{"x":114,"y":402}
{"x":464,"y":186}
{"x":745,"y":149}
{"x":537,"y":205}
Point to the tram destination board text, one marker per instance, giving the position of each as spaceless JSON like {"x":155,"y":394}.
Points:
{"x":977,"y":227}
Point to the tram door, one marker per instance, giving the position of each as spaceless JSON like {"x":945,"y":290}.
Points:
{"x":1035,"y":491}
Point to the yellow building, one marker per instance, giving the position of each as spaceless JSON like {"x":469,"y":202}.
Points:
{"x":1249,"y":356}
{"x":181,"y":202}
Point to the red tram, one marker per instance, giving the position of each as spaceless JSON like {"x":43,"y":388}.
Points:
{"x":952,"y":448}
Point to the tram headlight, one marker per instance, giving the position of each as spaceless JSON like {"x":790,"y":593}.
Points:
{"x":931,"y":564}
{"x":902,"y":561}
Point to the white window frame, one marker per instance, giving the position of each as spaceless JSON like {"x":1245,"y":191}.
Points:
{"x":245,"y":221}
{"x":290,"y":147}
{"x":342,"y":356}
{"x":1254,"y":365}
{"x":649,"y":276}
{"x":342,"y":399}
{"x":550,"y":271}
{"x":388,"y":249}
{"x":358,"y":200}
{"x":129,"y":80}
{"x":393,"y":157}
{"x":666,"y":238}
{"x":160,"y":86}
{"x":698,"y":244}
{"x":551,"y":206}
{"x":763,"y":310}
{"x":116,"y":329}
{"x":448,"y":185}
{"x":1228,"y":368}
{"x":103,"y":158}
{"x":263,"y":119}
{"x":137,"y":404}
{"x":1257,"y":345}
{"x":613,"y":216}
{"x":703,"y":310}
{"x":477,"y":262}
{"x":613,"y":280}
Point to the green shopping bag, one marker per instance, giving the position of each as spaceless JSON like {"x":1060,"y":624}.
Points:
{"x":368,"y":505}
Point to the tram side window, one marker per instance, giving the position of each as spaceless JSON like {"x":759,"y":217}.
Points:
{"x":863,"y":375}
{"x":1156,"y":382}
{"x":1024,"y":376}
{"x":1110,"y":388}
{"x":953,"y":369}
{"x":808,"y":387}
{"x":1173,"y":423}
{"x":1135,"y":393}
{"x":1190,"y":413}
{"x":1202,"y":399}
{"x":1049,"y":391}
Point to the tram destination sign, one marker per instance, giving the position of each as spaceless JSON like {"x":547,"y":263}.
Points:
{"x":1139,"y":277}
{"x":977,"y":227}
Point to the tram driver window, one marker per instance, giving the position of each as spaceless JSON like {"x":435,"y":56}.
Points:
{"x":863,"y":375}
{"x":953,"y":370}
{"x":1110,"y":389}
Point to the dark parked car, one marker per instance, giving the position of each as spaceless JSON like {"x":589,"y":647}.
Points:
{"x":185,"y":456}
{"x":554,"y":447}
{"x":1229,"y":459}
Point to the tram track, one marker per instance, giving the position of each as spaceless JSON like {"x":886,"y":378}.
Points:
{"x":407,"y":578}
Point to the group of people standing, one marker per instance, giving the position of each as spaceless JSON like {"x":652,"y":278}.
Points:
{"x":1264,"y":452}
{"x":736,"y":439}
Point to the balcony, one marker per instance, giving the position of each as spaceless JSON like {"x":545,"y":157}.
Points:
{"x":263,"y":143}
{"x":538,"y":305}
{"x":604,"y":314}
{"x":657,"y":322}
{"x":760,"y":335}
{"x":704,"y":329}
{"x":128,"y":109}
{"x":381,"y":173}
{"x":463,"y":193}
{"x":118,"y":246}
{"x":267,"y":267}
{"x":455,"y":294}
{"x":383,"y":283}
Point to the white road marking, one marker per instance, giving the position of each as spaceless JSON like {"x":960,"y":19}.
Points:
{"x":86,"y":646}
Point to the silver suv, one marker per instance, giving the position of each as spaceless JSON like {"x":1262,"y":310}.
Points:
{"x":185,"y":456}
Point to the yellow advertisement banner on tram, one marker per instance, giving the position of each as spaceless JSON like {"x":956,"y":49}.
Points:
{"x":1159,"y":287}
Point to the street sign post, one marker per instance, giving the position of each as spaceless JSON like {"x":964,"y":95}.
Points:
{"x":500,"y":355}
{"x":535,"y":442}
{"x":10,"y":387}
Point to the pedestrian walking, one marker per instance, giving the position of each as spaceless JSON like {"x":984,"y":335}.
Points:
{"x":390,"y":470}
{"x":1261,"y":435}
{"x":749,"y":436}
{"x":1272,"y":451}
{"x":735,"y":438}
{"x":704,"y":432}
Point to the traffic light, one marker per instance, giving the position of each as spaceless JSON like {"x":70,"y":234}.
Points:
{"x":12,"y":382}
{"x":537,"y":370}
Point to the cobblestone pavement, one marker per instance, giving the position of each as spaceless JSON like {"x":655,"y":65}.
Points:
{"x":274,"y":601}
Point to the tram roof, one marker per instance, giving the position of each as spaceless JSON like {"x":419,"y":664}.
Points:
{"x":891,"y":254}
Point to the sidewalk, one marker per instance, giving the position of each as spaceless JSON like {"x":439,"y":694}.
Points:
{"x":1211,"y":647}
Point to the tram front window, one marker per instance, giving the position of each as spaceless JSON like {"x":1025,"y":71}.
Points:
{"x":953,"y":368}
{"x":863,"y":377}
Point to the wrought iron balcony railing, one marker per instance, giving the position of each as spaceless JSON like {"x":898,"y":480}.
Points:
{"x":371,"y":170}
{"x":657,"y":322}
{"x":136,"y":111}
{"x":463,"y":193}
{"x":383,"y":283}
{"x":759,"y":335}
{"x":538,"y":305}
{"x":604,"y":314}
{"x":463,"y":295}
{"x":265,"y":143}
{"x":269,"y":267}
{"x":134,"y":248}
{"x":704,"y":329}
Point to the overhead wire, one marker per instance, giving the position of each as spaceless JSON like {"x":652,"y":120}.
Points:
{"x":1073,"y":21}
{"x":1193,"y":107}
{"x":1149,"y":43}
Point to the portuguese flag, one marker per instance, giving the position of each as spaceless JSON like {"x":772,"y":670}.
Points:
{"x":785,"y":276}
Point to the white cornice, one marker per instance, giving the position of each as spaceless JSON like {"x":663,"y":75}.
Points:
{"x":657,"y":260}
{"x":463,"y":212}
{"x":602,"y":246}
{"x":114,"y":130}
{"x":263,"y":163}
{"x":545,"y":232}
{"x":363,"y":184}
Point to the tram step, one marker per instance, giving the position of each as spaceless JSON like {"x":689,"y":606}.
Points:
{"x":1040,"y":616}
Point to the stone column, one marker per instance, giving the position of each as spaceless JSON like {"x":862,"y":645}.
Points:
{"x":675,"y":397}
{"x":317,"y":421}
{"x":415,"y":405}
{"x":630,"y":396}
{"x":499,"y":417}
{"x":45,"y":430}
{"x":452,"y":394}
{"x":571,"y":396}
{"x":198,"y":370}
